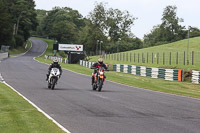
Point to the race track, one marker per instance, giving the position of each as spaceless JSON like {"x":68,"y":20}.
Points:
{"x":117,"y":109}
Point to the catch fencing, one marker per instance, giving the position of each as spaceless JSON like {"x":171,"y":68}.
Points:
{"x":166,"y":74}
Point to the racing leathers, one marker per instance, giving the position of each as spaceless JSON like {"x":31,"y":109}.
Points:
{"x":95,"y":66}
{"x":54,"y":65}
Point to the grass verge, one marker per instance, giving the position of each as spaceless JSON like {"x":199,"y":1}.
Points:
{"x":19,"y":50}
{"x":159,"y":56}
{"x":173,"y":87}
{"x":18,"y":116}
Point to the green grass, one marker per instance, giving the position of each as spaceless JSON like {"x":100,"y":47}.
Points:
{"x":177,"y":47}
{"x":18,"y":116}
{"x":20,"y":50}
{"x":179,"y":88}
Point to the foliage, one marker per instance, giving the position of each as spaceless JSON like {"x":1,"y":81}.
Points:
{"x":68,"y":26}
{"x":62,"y":24}
{"x":41,"y":14}
{"x":194,"y":32}
{"x":112,"y":23}
{"x":19,"y":40}
{"x":18,"y":18}
{"x":169,"y":30}
{"x":89,"y":35}
{"x":62,"y":54}
{"x":6,"y":36}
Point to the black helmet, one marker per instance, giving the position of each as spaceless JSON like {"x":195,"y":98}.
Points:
{"x":100,"y":61}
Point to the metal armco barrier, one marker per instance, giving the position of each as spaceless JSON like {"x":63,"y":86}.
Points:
{"x":3,"y":55}
{"x":196,"y":77}
{"x":166,"y":74}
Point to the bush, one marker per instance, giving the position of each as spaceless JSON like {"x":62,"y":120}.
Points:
{"x":62,"y":54}
{"x":19,"y":40}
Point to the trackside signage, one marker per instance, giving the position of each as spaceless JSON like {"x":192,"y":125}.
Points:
{"x":70,"y":47}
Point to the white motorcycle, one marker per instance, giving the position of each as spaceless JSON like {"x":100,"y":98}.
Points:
{"x":53,"y":78}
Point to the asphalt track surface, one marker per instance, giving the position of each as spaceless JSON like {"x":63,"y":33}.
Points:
{"x":117,"y":109}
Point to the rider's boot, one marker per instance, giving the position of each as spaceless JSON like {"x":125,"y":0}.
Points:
{"x":47,"y":77}
{"x":92,"y":80}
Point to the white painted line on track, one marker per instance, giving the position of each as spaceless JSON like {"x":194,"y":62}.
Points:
{"x":40,"y":110}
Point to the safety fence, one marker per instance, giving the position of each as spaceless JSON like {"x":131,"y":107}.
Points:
{"x":160,"y":58}
{"x":86,"y":63}
{"x":167,"y":74}
{"x":196,"y":77}
{"x":162,"y":73}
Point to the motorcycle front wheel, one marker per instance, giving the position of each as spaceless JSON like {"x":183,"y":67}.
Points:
{"x":53,"y":83}
{"x":49,"y":85}
{"x":94,"y":87}
{"x":100,"y":84}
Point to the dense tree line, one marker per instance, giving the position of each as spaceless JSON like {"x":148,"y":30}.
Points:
{"x":104,"y":28}
{"x":109,"y":29}
{"x":18,"y":18}
{"x":169,"y":30}
{"x":102,"y":25}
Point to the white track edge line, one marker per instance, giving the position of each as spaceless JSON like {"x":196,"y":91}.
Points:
{"x":40,"y":110}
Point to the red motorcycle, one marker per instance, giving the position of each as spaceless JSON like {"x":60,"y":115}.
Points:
{"x":99,"y":79}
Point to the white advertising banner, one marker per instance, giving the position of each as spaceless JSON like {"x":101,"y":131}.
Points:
{"x":70,"y":47}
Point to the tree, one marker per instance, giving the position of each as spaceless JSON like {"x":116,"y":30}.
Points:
{"x":22,"y":18}
{"x":63,"y":24}
{"x":170,"y":23}
{"x":111,"y":22}
{"x":98,"y":16}
{"x":118,"y":23}
{"x":168,"y":31}
{"x":5,"y":25}
{"x":194,"y":32}
{"x":88,"y":36}
{"x":64,"y":32}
